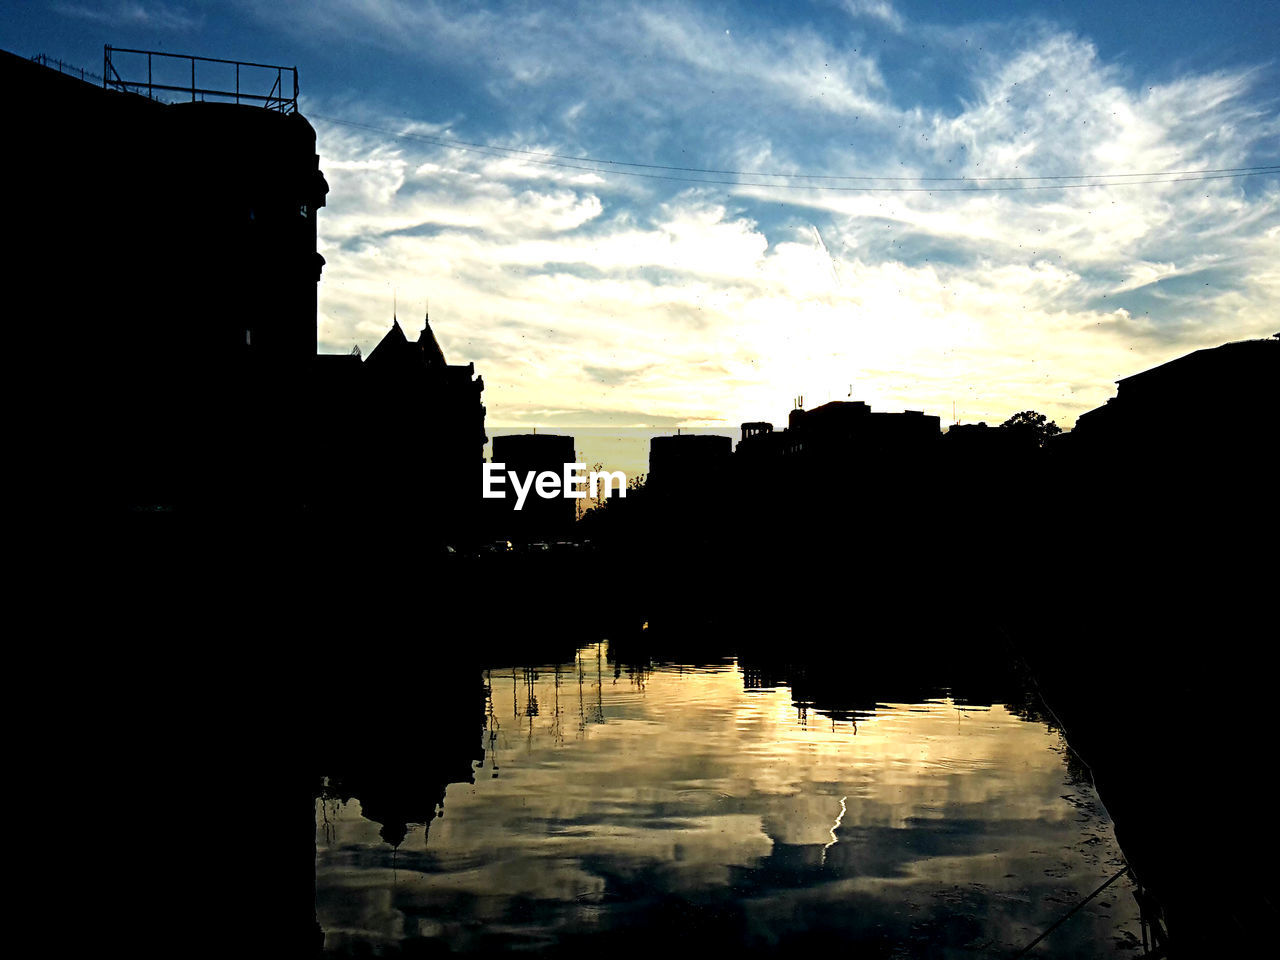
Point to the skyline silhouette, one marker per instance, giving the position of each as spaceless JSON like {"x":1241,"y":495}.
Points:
{"x":591,"y":297}
{"x":295,"y":540}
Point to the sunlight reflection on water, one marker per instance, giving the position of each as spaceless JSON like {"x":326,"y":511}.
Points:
{"x":608,"y":806}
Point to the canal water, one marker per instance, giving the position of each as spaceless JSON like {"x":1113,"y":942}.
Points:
{"x":589,"y":807}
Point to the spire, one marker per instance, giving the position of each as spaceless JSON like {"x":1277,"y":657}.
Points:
{"x":432,"y":355}
{"x":393,"y":344}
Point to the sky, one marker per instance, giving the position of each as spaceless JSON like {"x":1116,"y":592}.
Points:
{"x":672,"y":213}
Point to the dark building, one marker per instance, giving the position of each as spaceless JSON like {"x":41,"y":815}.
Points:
{"x":188,"y":229}
{"x":831,"y":426}
{"x":442,"y":397}
{"x":843,"y":429}
{"x":982,"y":443}
{"x":1222,"y":396}
{"x":843,"y":438}
{"x":1199,"y":430}
{"x":760,"y":442}
{"x":540,"y":518}
{"x":688,"y":464}
{"x":836,"y":465}
{"x":180,"y":241}
{"x":984,"y":470}
{"x":420,"y":424}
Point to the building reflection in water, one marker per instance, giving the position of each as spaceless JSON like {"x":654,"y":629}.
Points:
{"x":616,"y":808}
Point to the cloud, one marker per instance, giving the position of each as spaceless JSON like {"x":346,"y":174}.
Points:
{"x":640,"y":57}
{"x":614,"y":375}
{"x":580,"y":291}
{"x":880,"y":10}
{"x":152,"y":16}
{"x":587,"y":417}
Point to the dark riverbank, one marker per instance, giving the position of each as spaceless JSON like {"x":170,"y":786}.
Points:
{"x":260,"y":656}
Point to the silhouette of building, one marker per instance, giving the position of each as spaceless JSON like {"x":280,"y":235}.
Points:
{"x":975,"y":443}
{"x":446,"y":396}
{"x":843,"y":429}
{"x":843,"y":434}
{"x":1224,"y":397}
{"x":759,"y":441}
{"x":190,"y":228}
{"x":540,"y":518}
{"x":1199,"y":431}
{"x":187,"y":232}
{"x":420,"y":424}
{"x":688,"y":464}
{"x":839,"y":463}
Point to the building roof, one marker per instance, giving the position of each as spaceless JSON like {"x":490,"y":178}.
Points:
{"x":432,"y":355}
{"x":396,"y":350}
{"x":1233,"y":357}
{"x":391,"y":346}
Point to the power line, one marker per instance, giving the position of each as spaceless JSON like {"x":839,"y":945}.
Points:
{"x":962,"y":184}
{"x":444,"y":141}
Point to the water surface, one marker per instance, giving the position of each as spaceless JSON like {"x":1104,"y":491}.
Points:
{"x":628,"y":810}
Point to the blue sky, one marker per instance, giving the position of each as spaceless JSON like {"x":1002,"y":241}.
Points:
{"x":589,"y":297}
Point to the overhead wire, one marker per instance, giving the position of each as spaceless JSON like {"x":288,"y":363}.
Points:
{"x":964,"y":184}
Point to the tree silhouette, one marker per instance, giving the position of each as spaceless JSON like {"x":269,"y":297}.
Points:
{"x":590,"y":503}
{"x":1036,"y":424}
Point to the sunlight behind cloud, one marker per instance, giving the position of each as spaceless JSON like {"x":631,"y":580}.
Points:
{"x":734,"y":297}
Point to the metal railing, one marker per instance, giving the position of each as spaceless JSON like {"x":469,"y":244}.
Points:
{"x":69,"y":69}
{"x":280,"y":97}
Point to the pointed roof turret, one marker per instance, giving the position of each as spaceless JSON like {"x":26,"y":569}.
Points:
{"x":392,"y":348}
{"x":432,"y":355}
{"x":424,"y":356}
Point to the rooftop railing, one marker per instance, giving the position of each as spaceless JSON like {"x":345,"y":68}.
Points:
{"x":69,"y":69}
{"x":235,"y":81}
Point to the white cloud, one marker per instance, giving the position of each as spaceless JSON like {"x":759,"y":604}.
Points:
{"x":154,"y":16}
{"x":880,"y":10}
{"x":638,"y":53}
{"x":706,"y":301}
